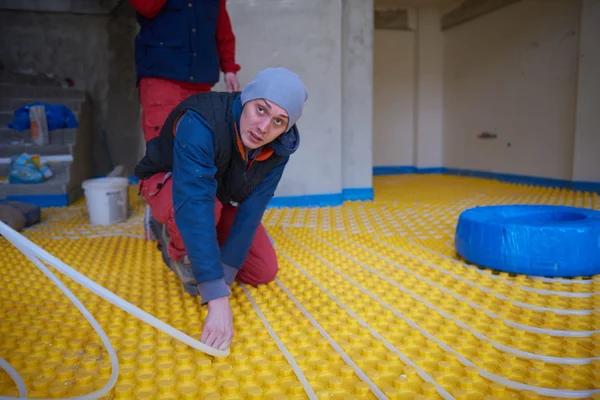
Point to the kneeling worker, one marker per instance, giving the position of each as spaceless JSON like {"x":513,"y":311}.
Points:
{"x":208,"y":178}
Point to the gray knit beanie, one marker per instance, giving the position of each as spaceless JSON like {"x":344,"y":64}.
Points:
{"x":280,"y":86}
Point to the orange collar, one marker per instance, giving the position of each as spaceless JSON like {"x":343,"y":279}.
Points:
{"x":265,"y":152}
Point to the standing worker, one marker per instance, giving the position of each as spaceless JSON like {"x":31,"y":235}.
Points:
{"x":180,"y":50}
{"x":208,"y":178}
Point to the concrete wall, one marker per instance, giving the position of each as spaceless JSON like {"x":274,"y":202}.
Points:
{"x":523,"y":70}
{"x":429,"y":89}
{"x":306,"y":37}
{"x":96,"y":52}
{"x":514,"y":73}
{"x":408,"y":83}
{"x":394,"y":96}
{"x":71,"y":6}
{"x":357,"y":94}
{"x":334,"y":59}
{"x":586,"y":162}
{"x":123,"y":126}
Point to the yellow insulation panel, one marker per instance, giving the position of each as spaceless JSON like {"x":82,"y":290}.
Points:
{"x":371,"y":301}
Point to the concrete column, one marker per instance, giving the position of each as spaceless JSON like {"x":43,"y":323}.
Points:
{"x":357,"y":94}
{"x":586,"y":157}
{"x":305,"y":37}
{"x":429,"y":89}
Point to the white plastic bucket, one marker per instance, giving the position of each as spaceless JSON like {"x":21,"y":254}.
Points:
{"x":107,"y":200}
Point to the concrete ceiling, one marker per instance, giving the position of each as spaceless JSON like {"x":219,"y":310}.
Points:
{"x":392,"y":13}
{"x":444,"y":5}
{"x":68,"y":6}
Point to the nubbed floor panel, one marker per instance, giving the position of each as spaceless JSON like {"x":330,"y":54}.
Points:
{"x":371,"y":301}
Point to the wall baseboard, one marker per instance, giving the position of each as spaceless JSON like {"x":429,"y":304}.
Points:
{"x":313,"y":200}
{"x":357,"y":194}
{"x":405,"y":169}
{"x":323,"y":200}
{"x":42,"y":200}
{"x":360,"y":194}
{"x":581,"y":186}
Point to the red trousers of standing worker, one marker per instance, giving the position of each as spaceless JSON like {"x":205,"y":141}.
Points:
{"x":159,"y":97}
{"x":261,"y":263}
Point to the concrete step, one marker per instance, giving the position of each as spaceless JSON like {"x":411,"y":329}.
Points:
{"x":6,"y":117}
{"x":25,"y":79}
{"x":57,"y":184}
{"x":13,"y":104}
{"x":71,"y":163}
{"x":58,"y":168}
{"x":59,"y":190}
{"x":55,"y":191}
{"x":57,"y":136}
{"x":6,"y":151}
{"x":8,"y":90}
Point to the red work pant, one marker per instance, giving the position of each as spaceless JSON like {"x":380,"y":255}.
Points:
{"x":260,"y":265}
{"x":158,"y":98}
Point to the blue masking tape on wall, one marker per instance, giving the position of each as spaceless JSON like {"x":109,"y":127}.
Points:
{"x":510,"y":178}
{"x":323,"y":200}
{"x":528,"y":180}
{"x":357,"y":194}
{"x":540,"y":240}
{"x":394,"y":170}
{"x":405,"y":169}
{"x":43,"y":200}
{"x":315,"y":200}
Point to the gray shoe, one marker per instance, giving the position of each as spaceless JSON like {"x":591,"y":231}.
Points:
{"x":183,"y":268}
{"x":184,"y":271}
{"x":147,"y":228}
{"x":160,"y":232}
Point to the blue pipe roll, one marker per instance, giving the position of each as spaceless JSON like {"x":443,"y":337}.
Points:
{"x":540,"y":240}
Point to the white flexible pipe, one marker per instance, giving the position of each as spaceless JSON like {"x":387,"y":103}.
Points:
{"x":22,"y":390}
{"x":359,"y":372}
{"x":288,"y":356}
{"x":567,"y":393}
{"x":476,"y":333}
{"x":422,"y":373}
{"x":36,"y":253}
{"x":472,"y":284}
{"x":109,"y":348}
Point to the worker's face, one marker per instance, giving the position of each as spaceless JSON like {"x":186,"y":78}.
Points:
{"x":262,"y":122}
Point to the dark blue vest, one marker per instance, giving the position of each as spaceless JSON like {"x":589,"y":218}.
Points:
{"x":180,"y":42}
{"x":234,"y":179}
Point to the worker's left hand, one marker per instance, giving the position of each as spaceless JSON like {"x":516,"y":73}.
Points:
{"x":231,"y":81}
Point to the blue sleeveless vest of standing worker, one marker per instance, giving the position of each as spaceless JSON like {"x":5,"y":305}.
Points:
{"x":180,"y":42}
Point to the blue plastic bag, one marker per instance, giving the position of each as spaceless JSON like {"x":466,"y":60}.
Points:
{"x":22,"y":169}
{"x":57,"y":116}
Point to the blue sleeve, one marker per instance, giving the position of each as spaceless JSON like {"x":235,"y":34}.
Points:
{"x":194,"y":193}
{"x":247,"y":218}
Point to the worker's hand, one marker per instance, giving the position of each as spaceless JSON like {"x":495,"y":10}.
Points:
{"x":231,"y":81}
{"x":218,"y":326}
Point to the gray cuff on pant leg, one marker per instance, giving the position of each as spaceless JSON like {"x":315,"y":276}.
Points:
{"x":230,"y":274}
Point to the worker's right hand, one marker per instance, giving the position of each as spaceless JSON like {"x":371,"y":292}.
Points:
{"x":218,"y":326}
{"x":231,"y":81}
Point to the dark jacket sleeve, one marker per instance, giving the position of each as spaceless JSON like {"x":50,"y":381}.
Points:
{"x":247,"y":218}
{"x":194,"y":196}
{"x":226,"y":40}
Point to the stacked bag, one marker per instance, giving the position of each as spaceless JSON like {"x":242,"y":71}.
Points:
{"x":19,"y":215}
{"x":28,"y":169}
